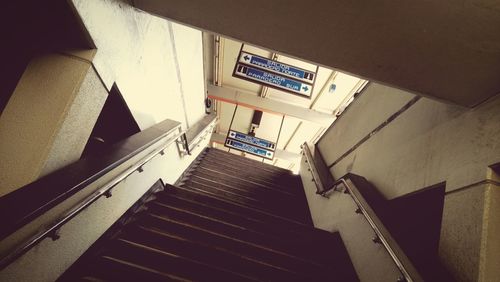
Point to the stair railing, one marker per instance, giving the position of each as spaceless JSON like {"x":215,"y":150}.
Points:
{"x":52,"y":229}
{"x":199,"y":132}
{"x":320,"y":174}
{"x":382,"y":235}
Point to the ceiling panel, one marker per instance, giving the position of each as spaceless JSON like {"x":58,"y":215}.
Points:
{"x":242,"y":118}
{"x":338,"y":91}
{"x":306,"y":132}
{"x":294,"y":131}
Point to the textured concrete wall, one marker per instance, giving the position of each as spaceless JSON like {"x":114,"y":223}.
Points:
{"x":157,"y":65}
{"x":426,"y":144}
{"x":429,"y":143}
{"x":78,"y":123}
{"x":490,"y":247}
{"x":37,"y":128}
{"x":462,"y":232}
{"x":49,"y":259}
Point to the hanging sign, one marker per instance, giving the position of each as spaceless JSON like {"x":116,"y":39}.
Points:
{"x":274,"y":74}
{"x":277,"y":67}
{"x":247,"y":148}
{"x":273,"y":80}
{"x":251,"y":140}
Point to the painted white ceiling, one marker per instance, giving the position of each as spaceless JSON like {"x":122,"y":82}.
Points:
{"x":294,"y":131}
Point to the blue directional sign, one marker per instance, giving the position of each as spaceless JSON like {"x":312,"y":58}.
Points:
{"x":273,"y":80}
{"x":251,"y":140}
{"x":276,"y":67}
{"x":247,"y":148}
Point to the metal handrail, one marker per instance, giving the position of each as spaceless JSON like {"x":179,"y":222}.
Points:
{"x":400,"y":259}
{"x":320,"y":188}
{"x":203,"y":134}
{"x":189,"y":146}
{"x":51,"y":230}
{"x":403,"y":263}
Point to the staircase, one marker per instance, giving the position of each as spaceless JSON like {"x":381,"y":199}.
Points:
{"x":228,"y":219}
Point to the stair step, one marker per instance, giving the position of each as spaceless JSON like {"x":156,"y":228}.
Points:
{"x":233,"y":177}
{"x":91,"y":279}
{"x":232,"y":158}
{"x":263,"y":224}
{"x":203,"y":197}
{"x":287,"y":244}
{"x":162,"y":261}
{"x":281,"y":182}
{"x":235,"y":180}
{"x":209,"y":254}
{"x":265,"y":197}
{"x":113,"y":269}
{"x":254,"y":192}
{"x":235,"y":196}
{"x":230,"y":219}
{"x":255,"y":251}
{"x":276,"y":208}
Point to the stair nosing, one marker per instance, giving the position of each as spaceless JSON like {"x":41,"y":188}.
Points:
{"x":236,"y":240}
{"x":144,"y":268}
{"x":266,"y":179}
{"x":241,"y":159}
{"x":257,"y":193}
{"x":182,"y":258}
{"x":252,"y":184}
{"x":255,"y":209}
{"x":242,"y":179}
{"x":225,"y":250}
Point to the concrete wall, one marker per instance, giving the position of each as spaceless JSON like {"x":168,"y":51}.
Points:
{"x":337,"y":214}
{"x":48,"y":119}
{"x":490,"y":245}
{"x":157,"y":65}
{"x":428,"y":143}
{"x":49,"y":259}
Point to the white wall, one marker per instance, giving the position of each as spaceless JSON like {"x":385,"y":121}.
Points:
{"x":154,"y":63}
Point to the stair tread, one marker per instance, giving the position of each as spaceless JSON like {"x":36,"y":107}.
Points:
{"x":213,"y":199}
{"x":242,"y":200}
{"x":241,"y":217}
{"x":195,"y":233}
{"x":114,"y":269}
{"x":161,"y":261}
{"x":209,"y":254}
{"x":281,"y":182}
{"x":247,"y":184}
{"x":292,"y":245}
{"x":229,"y":219}
{"x":229,"y":157}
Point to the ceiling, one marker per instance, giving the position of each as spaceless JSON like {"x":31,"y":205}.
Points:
{"x":331,"y":93}
{"x":448,"y":50}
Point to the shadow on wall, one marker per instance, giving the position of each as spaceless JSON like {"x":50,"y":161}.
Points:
{"x":496,"y":168}
{"x":114,"y":124}
{"x":414,"y":220}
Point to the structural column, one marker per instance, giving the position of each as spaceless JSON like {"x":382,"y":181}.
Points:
{"x":49,"y":118}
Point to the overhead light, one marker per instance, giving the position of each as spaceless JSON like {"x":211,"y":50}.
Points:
{"x":332,"y":88}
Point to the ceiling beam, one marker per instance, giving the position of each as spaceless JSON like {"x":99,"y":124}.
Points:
{"x":250,"y":100}
{"x":279,"y":154}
